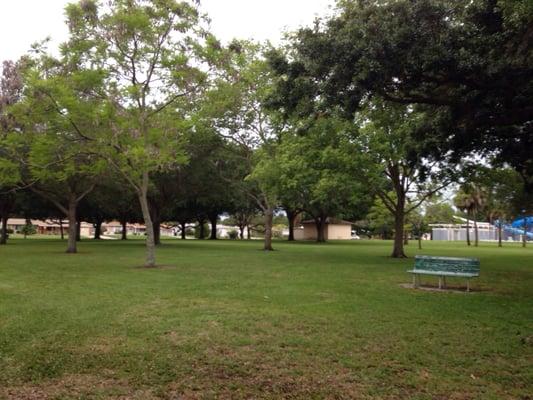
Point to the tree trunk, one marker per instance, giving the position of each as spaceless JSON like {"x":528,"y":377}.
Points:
{"x":524,"y":236}
{"x":157,"y":231}
{"x":291,"y":216}
{"x":405,"y":238}
{"x":476,"y":231}
{"x":183,"y":227}
{"x":248,"y":232}
{"x":241,"y":234}
{"x":150,"y":244}
{"x":499,"y":233}
{"x":72,"y":226}
{"x":399,"y":222}
{"x":156,"y":222}
{"x":61,"y":230}
{"x":124,"y":224}
{"x":468,"y":230}
{"x":213,"y":219}
{"x":399,"y":219}
{"x":6,"y":206}
{"x":201,"y":225}
{"x":98,"y":230}
{"x":78,"y":230}
{"x":269,"y":218}
{"x":419,"y":242}
{"x":320,"y":223}
{"x":3,"y":235}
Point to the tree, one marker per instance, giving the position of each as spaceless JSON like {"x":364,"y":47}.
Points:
{"x":468,"y":63}
{"x":236,"y":110}
{"x":209,"y":178}
{"x":401,"y":177}
{"x":7,"y":202}
{"x":471,"y":198}
{"x":522,"y":206}
{"x":10,"y":94}
{"x":438,"y":211}
{"x":381,"y":221}
{"x":244,"y":211}
{"x":321,"y":169}
{"x":28,"y":229}
{"x":463,"y":202}
{"x":419,"y":226}
{"x":47,"y":144}
{"x":150,"y":54}
{"x":501,"y":186}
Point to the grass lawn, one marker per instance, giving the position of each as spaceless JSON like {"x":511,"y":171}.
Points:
{"x":225,"y":320}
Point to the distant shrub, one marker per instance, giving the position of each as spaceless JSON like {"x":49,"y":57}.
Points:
{"x":277,"y":231}
{"x":28,"y":229}
{"x":207,"y":231}
{"x":233,"y":234}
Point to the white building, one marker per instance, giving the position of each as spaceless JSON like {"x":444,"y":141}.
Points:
{"x":457,"y":232}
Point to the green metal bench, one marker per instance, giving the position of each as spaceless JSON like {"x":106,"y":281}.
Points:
{"x":444,"y":267}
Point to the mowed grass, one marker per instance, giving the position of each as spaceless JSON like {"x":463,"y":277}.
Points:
{"x":226,"y":320}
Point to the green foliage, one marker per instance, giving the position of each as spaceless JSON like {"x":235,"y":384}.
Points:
{"x":466,"y":63}
{"x":235,"y":108}
{"x":233,"y":234}
{"x":28,"y":229}
{"x":381,"y":221}
{"x":321,"y":170}
{"x":206,"y":231}
{"x":438,"y":211}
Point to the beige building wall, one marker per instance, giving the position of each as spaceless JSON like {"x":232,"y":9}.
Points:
{"x":86,"y":230}
{"x":299,"y":234}
{"x":339,"y":232}
{"x":333,"y":232}
{"x":310,"y":232}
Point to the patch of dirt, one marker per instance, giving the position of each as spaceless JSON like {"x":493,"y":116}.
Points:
{"x":77,"y":387}
{"x":104,"y":345}
{"x":157,"y":267}
{"x":449,"y":289}
{"x":224,"y":373}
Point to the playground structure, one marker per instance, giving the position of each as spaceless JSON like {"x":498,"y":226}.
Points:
{"x":517,"y":227}
{"x":511,"y":231}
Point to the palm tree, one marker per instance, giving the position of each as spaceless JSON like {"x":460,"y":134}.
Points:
{"x":463,"y":203}
{"x":471,"y":198}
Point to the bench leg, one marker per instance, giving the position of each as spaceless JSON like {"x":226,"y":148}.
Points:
{"x":416,"y":281}
{"x":444,"y":281}
{"x":440,"y":282}
{"x":468,"y":285}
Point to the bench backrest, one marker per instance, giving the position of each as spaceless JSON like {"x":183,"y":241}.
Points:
{"x":447,"y":264}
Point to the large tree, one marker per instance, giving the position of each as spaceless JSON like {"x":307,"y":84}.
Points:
{"x":10,"y":93}
{"x":471,"y":198}
{"x":237,"y":111}
{"x":322,"y":170}
{"x":400,"y":176}
{"x":150,"y":53}
{"x":47,"y":142}
{"x":469,"y":63}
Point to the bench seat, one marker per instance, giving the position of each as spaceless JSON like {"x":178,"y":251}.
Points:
{"x":444,"y":267}
{"x":443,"y":273}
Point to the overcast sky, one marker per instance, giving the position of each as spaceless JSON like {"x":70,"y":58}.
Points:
{"x":23,"y":22}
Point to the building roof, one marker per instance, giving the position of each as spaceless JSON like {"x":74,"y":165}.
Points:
{"x":329,"y":221}
{"x":49,"y":223}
